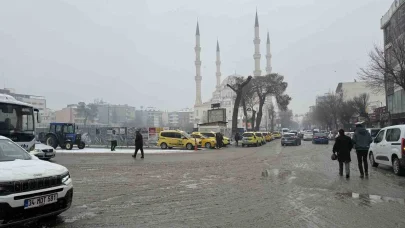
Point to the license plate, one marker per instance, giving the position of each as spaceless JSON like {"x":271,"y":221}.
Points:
{"x":49,"y":154}
{"x":40,"y":201}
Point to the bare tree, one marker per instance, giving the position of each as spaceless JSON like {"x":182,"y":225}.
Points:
{"x":386,"y":68}
{"x":88,"y":112}
{"x":361,"y":104}
{"x":347,"y":111}
{"x":270,"y":85}
{"x":238,"y":89}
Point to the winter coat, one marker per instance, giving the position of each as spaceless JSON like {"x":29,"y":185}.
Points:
{"x":237,"y":137}
{"x":362,"y":139}
{"x":343,"y":145}
{"x":138,"y":140}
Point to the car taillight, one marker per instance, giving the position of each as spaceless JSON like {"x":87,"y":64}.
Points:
{"x":403,"y":146}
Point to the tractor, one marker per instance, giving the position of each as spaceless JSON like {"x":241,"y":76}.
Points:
{"x":63,"y":135}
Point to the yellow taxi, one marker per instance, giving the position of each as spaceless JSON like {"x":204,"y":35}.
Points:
{"x":250,"y":139}
{"x":225,"y":141}
{"x":207,"y":142}
{"x":267,"y":136}
{"x":277,"y":135}
{"x":262,"y":139}
{"x":175,"y":138}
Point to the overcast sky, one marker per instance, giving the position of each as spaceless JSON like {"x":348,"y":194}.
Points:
{"x":141,"y":52}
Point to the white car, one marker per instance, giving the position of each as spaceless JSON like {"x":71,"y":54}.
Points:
{"x":308,"y":136}
{"x":30,"y":188}
{"x":43,"y":151}
{"x":388,"y":148}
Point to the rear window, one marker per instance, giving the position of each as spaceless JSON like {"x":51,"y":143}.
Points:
{"x":247,"y":135}
{"x":288,"y":135}
{"x":264,"y":134}
{"x":320,"y":134}
{"x":285,"y":130}
{"x":259,"y":134}
{"x":276,"y":132}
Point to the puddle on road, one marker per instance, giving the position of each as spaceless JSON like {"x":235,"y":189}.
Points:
{"x":368,"y":199}
{"x":280,"y":174}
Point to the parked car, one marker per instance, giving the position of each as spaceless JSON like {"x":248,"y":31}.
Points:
{"x":262,"y":140}
{"x":277,"y":135}
{"x":388,"y":148}
{"x":250,"y":139}
{"x":267,"y":136}
{"x":290,"y":139}
{"x":308,"y":136}
{"x":320,"y":138}
{"x":203,"y":141}
{"x":226,"y":141}
{"x":30,"y":189}
{"x":43,"y":151}
{"x":175,"y":138}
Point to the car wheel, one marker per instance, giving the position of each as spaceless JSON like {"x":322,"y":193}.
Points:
{"x":163,"y":146}
{"x":396,"y":165}
{"x":69,"y":145}
{"x":372,"y":160}
{"x":257,"y":144}
{"x":189,"y":146}
{"x":208,"y":145}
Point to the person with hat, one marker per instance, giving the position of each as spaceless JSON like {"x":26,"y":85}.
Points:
{"x":362,"y":140}
{"x":343,"y":145}
{"x":138,"y":144}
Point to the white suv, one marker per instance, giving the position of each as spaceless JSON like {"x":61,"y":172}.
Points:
{"x":30,"y":188}
{"x":388,"y":148}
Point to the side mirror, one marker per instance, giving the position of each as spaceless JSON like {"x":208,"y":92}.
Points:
{"x":39,"y":117}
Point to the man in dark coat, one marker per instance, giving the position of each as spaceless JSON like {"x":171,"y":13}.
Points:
{"x":237,"y":136}
{"x":218,"y":140}
{"x":343,"y":146}
{"x":362,"y":140}
{"x":138,"y":144}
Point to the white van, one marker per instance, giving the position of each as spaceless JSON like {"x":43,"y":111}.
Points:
{"x":285,"y":130}
{"x":388,"y":148}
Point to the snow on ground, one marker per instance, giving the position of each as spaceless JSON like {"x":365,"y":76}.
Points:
{"x":120,"y":151}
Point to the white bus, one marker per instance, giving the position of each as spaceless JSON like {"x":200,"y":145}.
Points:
{"x":17,"y":121}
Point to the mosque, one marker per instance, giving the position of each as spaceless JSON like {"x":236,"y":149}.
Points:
{"x":223,"y":94}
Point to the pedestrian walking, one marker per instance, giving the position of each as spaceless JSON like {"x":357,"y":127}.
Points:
{"x":237,"y":136}
{"x":362,"y":140}
{"x":221,"y":140}
{"x":138,"y":144}
{"x":218,"y":140}
{"x":113,"y":140}
{"x":343,"y":145}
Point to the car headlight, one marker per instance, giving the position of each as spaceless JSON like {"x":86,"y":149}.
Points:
{"x":65,"y":178}
{"x":6,"y":188}
{"x":32,"y":147}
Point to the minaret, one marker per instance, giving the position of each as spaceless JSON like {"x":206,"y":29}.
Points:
{"x":198,"y":77}
{"x":218,"y":63}
{"x":256,"y":56}
{"x":268,"y":55}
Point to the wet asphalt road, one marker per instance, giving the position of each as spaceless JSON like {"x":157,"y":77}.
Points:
{"x":268,"y":186}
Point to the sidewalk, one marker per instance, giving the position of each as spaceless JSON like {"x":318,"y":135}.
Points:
{"x":122,"y":151}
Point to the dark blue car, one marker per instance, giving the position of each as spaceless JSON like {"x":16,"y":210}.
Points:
{"x":320,"y":138}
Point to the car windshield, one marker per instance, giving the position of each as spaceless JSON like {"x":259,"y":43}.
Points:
{"x":208,"y":134}
{"x":9,"y":151}
{"x":247,"y":135}
{"x":16,"y":118}
{"x":265,"y":134}
{"x":186,"y":134}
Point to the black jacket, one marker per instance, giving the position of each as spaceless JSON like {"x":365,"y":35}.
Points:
{"x":343,"y":146}
{"x":138,"y":139}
